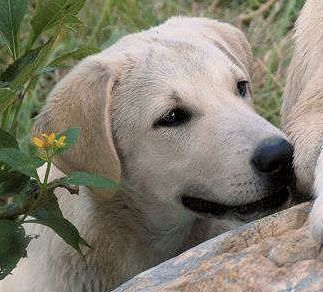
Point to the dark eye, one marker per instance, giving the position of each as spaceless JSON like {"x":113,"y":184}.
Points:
{"x":173,"y":118}
{"x":242,"y":87}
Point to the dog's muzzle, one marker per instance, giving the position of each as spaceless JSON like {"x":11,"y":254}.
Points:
{"x":279,"y":194}
{"x":272,"y":165}
{"x":267,"y":204}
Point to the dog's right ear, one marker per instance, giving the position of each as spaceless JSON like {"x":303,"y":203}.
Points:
{"x":83,"y":99}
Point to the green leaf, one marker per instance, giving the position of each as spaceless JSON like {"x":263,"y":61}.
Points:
{"x":19,"y":161}
{"x":20,"y":203}
{"x":14,"y":69}
{"x":4,"y":84}
{"x":12,"y":183}
{"x":27,"y":147}
{"x":51,"y":216}
{"x":6,"y":140}
{"x":72,"y":20}
{"x":49,"y":13}
{"x":6,"y":98}
{"x":72,"y":135}
{"x":13,"y":244}
{"x":88,"y":179}
{"x":45,"y":70}
{"x":4,"y":174}
{"x":23,"y":69}
{"x":12,"y":13}
{"x":77,"y":54}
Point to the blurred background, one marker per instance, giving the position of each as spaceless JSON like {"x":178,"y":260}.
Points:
{"x":267,"y":24}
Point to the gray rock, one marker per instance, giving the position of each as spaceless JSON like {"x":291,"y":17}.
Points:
{"x":275,"y":253}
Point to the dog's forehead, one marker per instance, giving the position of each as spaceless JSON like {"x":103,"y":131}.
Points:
{"x":179,"y":64}
{"x":188,"y":69}
{"x":169,"y":68}
{"x":178,"y":56}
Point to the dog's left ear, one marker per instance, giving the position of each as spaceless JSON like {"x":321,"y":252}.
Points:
{"x":232,"y":42}
{"x":83,"y":99}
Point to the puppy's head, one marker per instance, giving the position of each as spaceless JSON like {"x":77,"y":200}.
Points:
{"x":168,"y":112}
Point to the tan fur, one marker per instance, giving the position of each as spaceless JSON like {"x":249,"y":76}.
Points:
{"x":303,"y":102}
{"x":115,"y":97}
{"x":303,"y":106}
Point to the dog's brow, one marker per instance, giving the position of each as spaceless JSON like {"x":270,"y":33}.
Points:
{"x":175,"y":97}
{"x":233,"y":59}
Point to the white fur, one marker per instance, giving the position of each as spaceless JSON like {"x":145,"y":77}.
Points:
{"x":115,"y":97}
{"x":303,"y":108}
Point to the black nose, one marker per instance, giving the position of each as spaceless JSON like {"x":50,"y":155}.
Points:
{"x":274,"y":156}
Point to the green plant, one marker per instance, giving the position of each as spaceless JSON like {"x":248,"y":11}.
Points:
{"x":30,"y":34}
{"x":31,"y":199}
{"x":33,"y":52}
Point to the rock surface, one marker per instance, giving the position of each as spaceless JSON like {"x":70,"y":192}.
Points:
{"x":275,"y":253}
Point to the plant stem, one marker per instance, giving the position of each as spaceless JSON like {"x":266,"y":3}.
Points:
{"x":42,"y":194}
{"x":43,"y":187}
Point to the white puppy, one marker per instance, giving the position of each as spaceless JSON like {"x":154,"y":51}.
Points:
{"x":168,"y":113}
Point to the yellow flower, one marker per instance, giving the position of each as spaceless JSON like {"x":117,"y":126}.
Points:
{"x":38,"y":142}
{"x":50,"y":139}
{"x":60,"y":142}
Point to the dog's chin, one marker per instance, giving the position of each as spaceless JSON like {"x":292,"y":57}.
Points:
{"x":245,"y":212}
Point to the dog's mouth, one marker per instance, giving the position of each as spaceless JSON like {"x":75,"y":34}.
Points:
{"x":267,"y":204}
